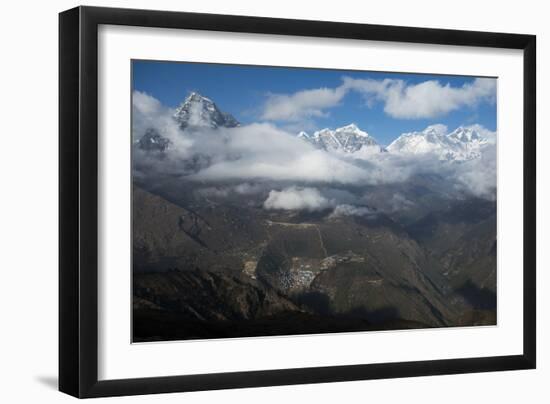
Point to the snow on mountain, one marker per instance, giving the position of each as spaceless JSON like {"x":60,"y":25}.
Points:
{"x":153,"y":141}
{"x":465,"y":135}
{"x":195,"y":112}
{"x":430,"y":140}
{"x":349,"y":139}
{"x":198,"y":111}
{"x":464,"y":143}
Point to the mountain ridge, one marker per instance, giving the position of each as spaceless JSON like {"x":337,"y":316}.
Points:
{"x":464,"y":143}
{"x":198,"y":112}
{"x":349,"y":138}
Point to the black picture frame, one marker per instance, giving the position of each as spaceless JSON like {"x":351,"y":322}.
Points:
{"x":78,"y":201}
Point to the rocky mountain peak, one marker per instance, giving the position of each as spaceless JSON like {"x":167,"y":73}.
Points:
{"x":153,"y":141}
{"x":198,"y":111}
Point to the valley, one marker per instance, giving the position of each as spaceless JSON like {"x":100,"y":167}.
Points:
{"x":256,"y":268}
{"x":308,"y":233}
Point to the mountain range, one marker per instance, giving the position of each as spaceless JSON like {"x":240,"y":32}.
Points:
{"x":348,"y":139}
{"x":212,"y":259}
{"x":197,"y":112}
{"x":464,"y":143}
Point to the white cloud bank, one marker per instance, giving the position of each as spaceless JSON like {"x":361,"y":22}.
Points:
{"x":264,"y":154}
{"x":311,"y":199}
{"x":295,"y":198}
{"x":302,"y":104}
{"x":429,"y":99}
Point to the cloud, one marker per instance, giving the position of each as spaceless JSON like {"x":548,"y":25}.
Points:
{"x":261,"y":151}
{"x":349,"y":210}
{"x":438,"y":128}
{"x":295,"y":198}
{"x":428,"y":99}
{"x":302,"y":104}
{"x":145,"y":103}
{"x":260,"y":160}
{"x":479,"y":176}
{"x":148,"y":112}
{"x":248,"y":188}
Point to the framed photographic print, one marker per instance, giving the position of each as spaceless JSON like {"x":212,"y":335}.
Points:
{"x":250,"y":202}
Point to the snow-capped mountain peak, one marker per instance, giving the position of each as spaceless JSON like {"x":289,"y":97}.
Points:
{"x":194,"y":113}
{"x":417,"y":142}
{"x":466,"y":134}
{"x":436,"y":129}
{"x":348,"y":139}
{"x":194,"y":96}
{"x":464,"y":143}
{"x":198,"y":111}
{"x":352,"y":129}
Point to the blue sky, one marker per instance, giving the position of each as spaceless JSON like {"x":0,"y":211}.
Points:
{"x":257,"y":93}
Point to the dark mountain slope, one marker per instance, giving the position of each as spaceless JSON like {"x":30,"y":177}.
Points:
{"x":200,"y":304}
{"x":353,"y":265}
{"x":440,"y":229}
{"x":167,"y":236}
{"x":209,"y":270}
